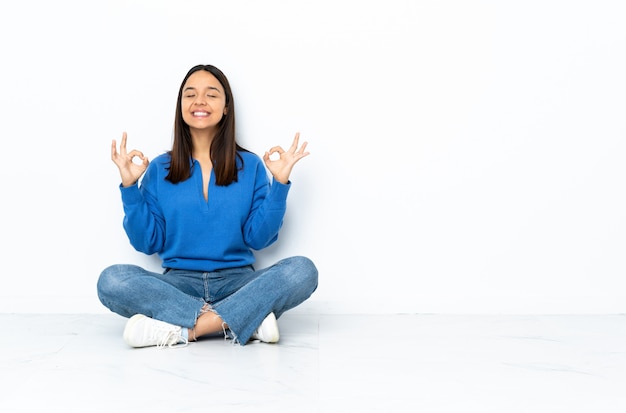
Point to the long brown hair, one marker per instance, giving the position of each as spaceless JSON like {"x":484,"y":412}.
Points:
{"x":224,"y":146}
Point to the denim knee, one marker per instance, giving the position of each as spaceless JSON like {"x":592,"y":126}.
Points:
{"x":105,"y":283}
{"x":305,"y":272}
{"x":110,"y":282}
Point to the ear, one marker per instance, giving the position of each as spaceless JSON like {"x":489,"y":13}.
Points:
{"x":225,"y":110}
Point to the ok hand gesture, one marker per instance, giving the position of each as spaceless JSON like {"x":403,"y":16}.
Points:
{"x":129,"y":171}
{"x":281,"y":167}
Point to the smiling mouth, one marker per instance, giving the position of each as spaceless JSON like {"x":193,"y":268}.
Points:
{"x":200,"y":114}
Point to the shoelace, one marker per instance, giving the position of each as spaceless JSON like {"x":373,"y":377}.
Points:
{"x":171,"y":339}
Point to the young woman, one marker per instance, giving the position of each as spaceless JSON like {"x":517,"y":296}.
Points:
{"x":204,"y":206}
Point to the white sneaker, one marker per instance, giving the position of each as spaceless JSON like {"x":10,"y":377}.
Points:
{"x":267,"y":332}
{"x":143,"y":331}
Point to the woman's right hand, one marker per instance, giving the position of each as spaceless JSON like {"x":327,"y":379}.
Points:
{"x":130,"y":171}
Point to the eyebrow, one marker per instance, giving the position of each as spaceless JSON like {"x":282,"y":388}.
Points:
{"x":210,"y":87}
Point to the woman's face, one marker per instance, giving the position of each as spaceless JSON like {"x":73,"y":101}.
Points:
{"x":203,"y":102}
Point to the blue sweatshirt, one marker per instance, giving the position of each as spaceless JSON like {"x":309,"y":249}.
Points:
{"x":190,"y":233}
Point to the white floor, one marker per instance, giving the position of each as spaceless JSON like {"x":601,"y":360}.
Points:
{"x":323,"y":363}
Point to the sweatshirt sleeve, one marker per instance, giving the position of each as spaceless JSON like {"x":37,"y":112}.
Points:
{"x":268,"y":210}
{"x":143,"y":221}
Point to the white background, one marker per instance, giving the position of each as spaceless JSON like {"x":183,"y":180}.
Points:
{"x":466,"y":156}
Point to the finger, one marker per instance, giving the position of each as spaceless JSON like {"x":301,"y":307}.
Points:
{"x":113,"y":149}
{"x":136,"y":153}
{"x":276,"y":149}
{"x":123,"y":144}
{"x":294,"y":145}
{"x":303,"y":148}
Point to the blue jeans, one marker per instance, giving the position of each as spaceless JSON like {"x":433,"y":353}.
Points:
{"x":242,"y":297}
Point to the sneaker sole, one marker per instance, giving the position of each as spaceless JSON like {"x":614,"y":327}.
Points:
{"x":129,"y":326}
{"x":269,"y":331}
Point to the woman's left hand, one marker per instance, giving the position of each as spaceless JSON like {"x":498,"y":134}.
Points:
{"x":281,"y":168}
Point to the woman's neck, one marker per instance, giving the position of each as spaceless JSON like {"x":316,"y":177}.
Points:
{"x":201,"y":144}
